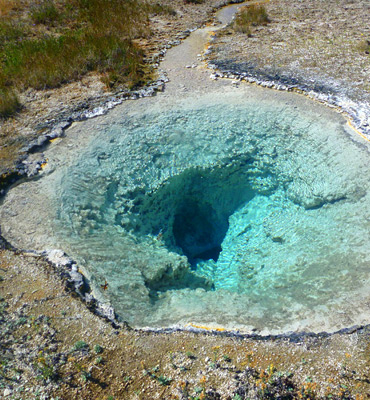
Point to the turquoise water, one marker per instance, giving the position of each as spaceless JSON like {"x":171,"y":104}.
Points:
{"x":227,"y":214}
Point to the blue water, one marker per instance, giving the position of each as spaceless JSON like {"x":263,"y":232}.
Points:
{"x":227,"y":214}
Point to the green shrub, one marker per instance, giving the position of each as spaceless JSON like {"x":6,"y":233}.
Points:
{"x":45,"y":13}
{"x":250,"y":16}
{"x":80,"y":345}
{"x":98,"y":349}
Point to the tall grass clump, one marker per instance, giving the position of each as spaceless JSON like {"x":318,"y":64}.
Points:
{"x":45,"y":13}
{"x":11,"y":31}
{"x":161,"y":9}
{"x":126,"y":18}
{"x":250,"y":16}
{"x":9,"y":103}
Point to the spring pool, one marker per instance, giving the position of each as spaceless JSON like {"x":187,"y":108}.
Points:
{"x":234,"y":211}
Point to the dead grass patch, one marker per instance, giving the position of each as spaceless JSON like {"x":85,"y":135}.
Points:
{"x":6,"y":6}
{"x":248,"y":17}
{"x":364,"y":47}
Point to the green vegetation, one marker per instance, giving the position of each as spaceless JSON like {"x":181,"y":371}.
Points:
{"x":163,"y":380}
{"x":78,"y":36}
{"x":45,"y":13}
{"x":11,"y":31}
{"x":98,"y":349}
{"x":44,"y":367}
{"x":250,"y":16}
{"x":80,"y":345}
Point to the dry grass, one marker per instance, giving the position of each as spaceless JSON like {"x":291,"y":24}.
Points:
{"x":6,"y":6}
{"x":9,"y":103}
{"x":161,"y":9}
{"x":364,"y":47}
{"x":250,"y":16}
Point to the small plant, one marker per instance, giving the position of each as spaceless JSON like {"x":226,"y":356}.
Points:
{"x":200,"y":391}
{"x":98,"y":349}
{"x":98,"y":360}
{"x":44,"y":367}
{"x":159,"y":378}
{"x":85,"y":376}
{"x":214,"y":363}
{"x":190,"y":355}
{"x":163,"y":380}
{"x":80,"y":345}
{"x":226,"y":358}
{"x":21,"y":321}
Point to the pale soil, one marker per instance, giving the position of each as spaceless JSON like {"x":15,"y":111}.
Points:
{"x":43,"y":321}
{"x":42,"y":316}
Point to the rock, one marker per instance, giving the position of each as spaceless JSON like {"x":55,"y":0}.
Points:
{"x":7,"y":392}
{"x":58,"y":258}
{"x":106,"y":310}
{"x":76,"y":278}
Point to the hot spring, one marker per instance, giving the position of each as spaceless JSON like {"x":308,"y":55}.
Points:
{"x":226,"y":211}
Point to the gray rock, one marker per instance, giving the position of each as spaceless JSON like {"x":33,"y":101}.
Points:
{"x":106,"y":310}
{"x":58,"y":258}
{"x":76,"y":277}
